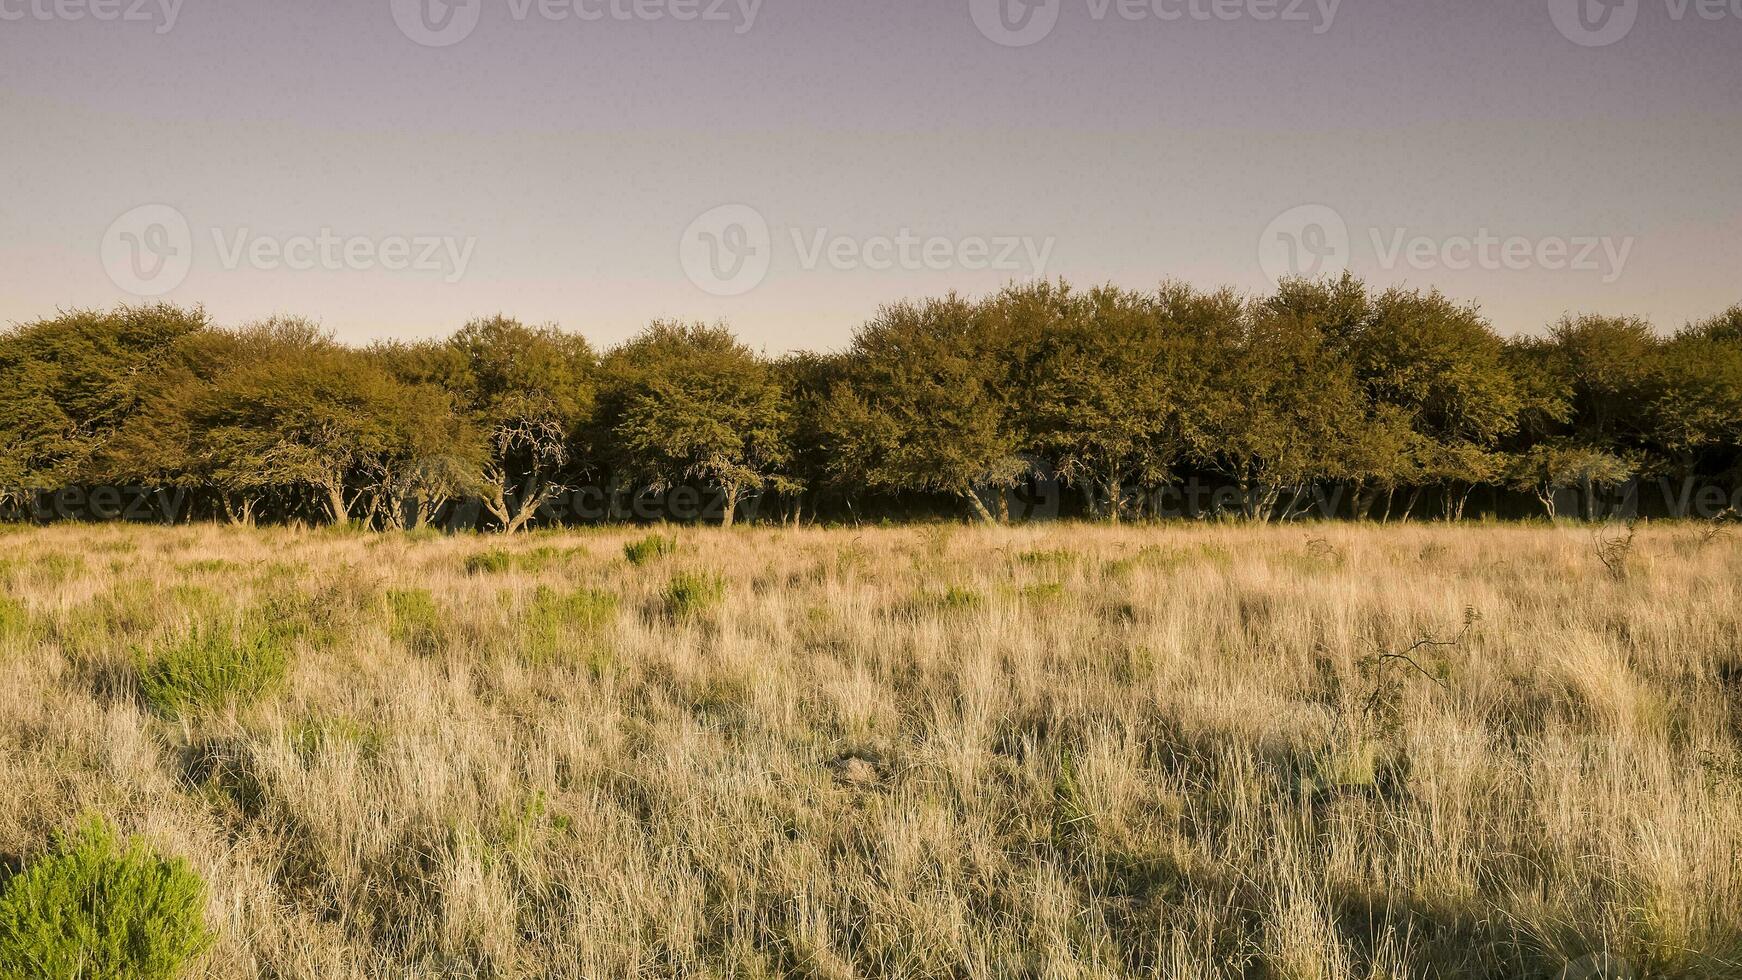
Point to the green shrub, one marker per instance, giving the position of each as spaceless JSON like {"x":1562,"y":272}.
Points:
{"x":213,"y":566}
{"x":545,"y":556}
{"x":1043,"y":592}
{"x":13,"y":619}
{"x":1169,"y":559}
{"x":558,"y":619}
{"x":648,"y":548}
{"x":492,"y":562}
{"x":956,"y":598}
{"x":496,"y":560}
{"x":94,"y":908}
{"x":212,"y":666}
{"x":1056,"y":558}
{"x":690,"y":593}
{"x":415,"y":622}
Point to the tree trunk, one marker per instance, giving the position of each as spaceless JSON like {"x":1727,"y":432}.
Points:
{"x":1546,"y":495}
{"x":1365,"y":497}
{"x":979,"y":507}
{"x":1456,"y":499}
{"x":423,"y":511}
{"x":1115,"y":497}
{"x":240,"y":513}
{"x":1265,"y":505}
{"x":729,"y":508}
{"x":1414,"y":498}
{"x":338,"y":509}
{"x":513,"y":519}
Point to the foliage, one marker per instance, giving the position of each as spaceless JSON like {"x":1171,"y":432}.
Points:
{"x":211,"y":666}
{"x":1321,"y":398}
{"x":1551,"y":468}
{"x":691,"y":403}
{"x":70,"y":383}
{"x":921,"y":407}
{"x":690,"y":593}
{"x":529,"y":393}
{"x":649,"y":548}
{"x":99,"y":908}
{"x":558,"y":620}
{"x":489,"y":562}
{"x":414,"y":619}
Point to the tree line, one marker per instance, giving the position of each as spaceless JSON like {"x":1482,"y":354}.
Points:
{"x":1325,"y":397}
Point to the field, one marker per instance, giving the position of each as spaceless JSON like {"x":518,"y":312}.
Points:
{"x":1050,"y":752}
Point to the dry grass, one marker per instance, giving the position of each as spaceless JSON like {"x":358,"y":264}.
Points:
{"x":1064,"y":752}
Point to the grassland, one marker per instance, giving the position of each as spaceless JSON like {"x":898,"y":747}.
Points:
{"x":1055,"y":752}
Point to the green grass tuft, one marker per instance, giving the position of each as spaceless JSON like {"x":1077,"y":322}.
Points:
{"x":496,"y":560}
{"x":97,"y":908}
{"x":649,"y":548}
{"x":690,"y":593}
{"x":955,"y":599}
{"x":492,"y":562}
{"x":211,"y":667}
{"x":561,"y":626}
{"x":14,"y":620}
{"x":414,"y":620}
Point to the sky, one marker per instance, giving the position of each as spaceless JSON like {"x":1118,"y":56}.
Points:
{"x":394,"y":168}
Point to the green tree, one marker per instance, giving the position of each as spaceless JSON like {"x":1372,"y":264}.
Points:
{"x":806,"y":380}
{"x":1441,"y":369}
{"x":1697,"y":411}
{"x":1549,"y":468}
{"x":1610,"y":369}
{"x":160,"y":444}
{"x":1109,"y":377}
{"x":1278,"y":402}
{"x":328,"y":420}
{"x":70,"y":383}
{"x":531,"y":392}
{"x":920,"y":410}
{"x":689,"y":402}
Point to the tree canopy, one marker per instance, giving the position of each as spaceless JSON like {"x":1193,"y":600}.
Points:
{"x":1322,"y":397}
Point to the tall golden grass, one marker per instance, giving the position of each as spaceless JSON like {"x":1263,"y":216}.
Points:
{"x":1049,"y":752}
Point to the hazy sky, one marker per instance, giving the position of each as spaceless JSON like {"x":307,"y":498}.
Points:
{"x":392,"y":169}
